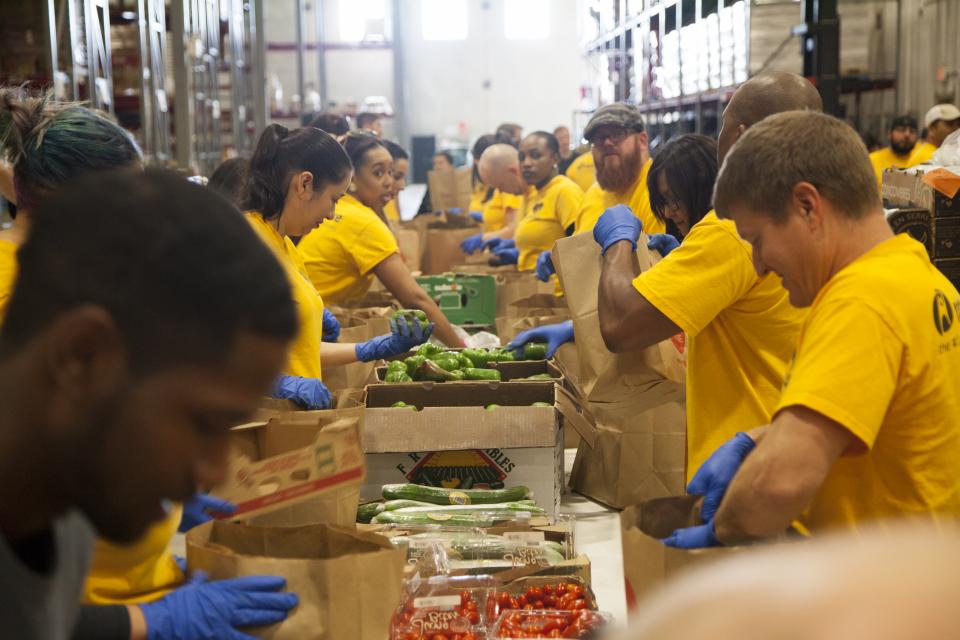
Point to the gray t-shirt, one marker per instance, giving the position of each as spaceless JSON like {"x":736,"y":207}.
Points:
{"x":45,"y":606}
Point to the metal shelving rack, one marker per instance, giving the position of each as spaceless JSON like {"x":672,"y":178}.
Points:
{"x":218,"y":104}
{"x":680,"y":60}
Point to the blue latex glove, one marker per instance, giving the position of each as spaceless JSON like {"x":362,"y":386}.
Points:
{"x":493,"y":244}
{"x":698,"y":537}
{"x":477,"y":215}
{"x":331,"y":326}
{"x":506,"y":256}
{"x":201,"y":508}
{"x":663,"y":243}
{"x":211,"y":610}
{"x":308,"y":393}
{"x":401,"y":339}
{"x":616,"y":224}
{"x":181,"y":562}
{"x":507,"y":244}
{"x":455,"y":211}
{"x":555,"y":335}
{"x":545,"y":266}
{"x":714,"y":476}
{"x":472,"y":244}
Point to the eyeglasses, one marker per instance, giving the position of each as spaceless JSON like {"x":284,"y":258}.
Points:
{"x":615,"y":135}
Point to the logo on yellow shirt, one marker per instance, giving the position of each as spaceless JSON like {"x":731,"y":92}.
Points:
{"x":942,"y":312}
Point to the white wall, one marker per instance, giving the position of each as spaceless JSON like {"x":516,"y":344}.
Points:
{"x":479,"y":82}
{"x":487,"y":79}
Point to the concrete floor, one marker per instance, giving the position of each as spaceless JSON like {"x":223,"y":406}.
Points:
{"x":597,"y":534}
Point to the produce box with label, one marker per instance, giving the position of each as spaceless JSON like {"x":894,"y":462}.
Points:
{"x":470,"y":436}
{"x":465,"y":299}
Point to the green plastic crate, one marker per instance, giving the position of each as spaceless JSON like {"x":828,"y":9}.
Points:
{"x":464,"y":298}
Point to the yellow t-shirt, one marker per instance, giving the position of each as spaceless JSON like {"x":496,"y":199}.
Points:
{"x":546,"y":215}
{"x":304,"y":357}
{"x":495,"y":210}
{"x":340,"y":254}
{"x":582,"y":170}
{"x":392,"y":211}
{"x":879,"y":354}
{"x":8,"y":274}
{"x":923,"y":152}
{"x":596,"y":201}
{"x":741,"y":332}
{"x":141,"y":572}
{"x":886,"y":158}
{"x":479,"y":196}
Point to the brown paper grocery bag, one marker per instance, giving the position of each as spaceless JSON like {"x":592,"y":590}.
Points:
{"x":410,"y":242}
{"x":647,"y":564}
{"x":356,"y":375}
{"x":638,"y":454}
{"x":605,"y":376}
{"x":450,"y":188}
{"x":513,"y":286}
{"x":348,"y":582}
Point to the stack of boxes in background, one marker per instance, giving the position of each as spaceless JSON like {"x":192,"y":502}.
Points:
{"x":927,"y":206}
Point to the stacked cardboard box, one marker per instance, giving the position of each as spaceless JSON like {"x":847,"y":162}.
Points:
{"x":930,"y":201}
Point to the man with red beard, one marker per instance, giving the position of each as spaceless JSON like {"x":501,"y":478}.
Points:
{"x":621,"y":156}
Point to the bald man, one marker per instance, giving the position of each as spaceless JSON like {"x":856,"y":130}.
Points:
{"x":740,"y":326}
{"x":883,"y":586}
{"x":499,"y":167}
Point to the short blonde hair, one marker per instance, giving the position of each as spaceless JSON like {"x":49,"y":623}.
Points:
{"x":782,"y":150}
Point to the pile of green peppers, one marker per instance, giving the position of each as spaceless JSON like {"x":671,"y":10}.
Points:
{"x":434,"y":363}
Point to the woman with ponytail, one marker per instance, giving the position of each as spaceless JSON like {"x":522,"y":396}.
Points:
{"x":343,"y":256}
{"x":295,"y":180}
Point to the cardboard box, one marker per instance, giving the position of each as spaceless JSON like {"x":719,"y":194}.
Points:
{"x":349,"y":582}
{"x":453,"y":441}
{"x":465,"y":299}
{"x":647,"y":564}
{"x":913,"y":189}
{"x":296,"y":468}
{"x":916,"y":222}
{"x":354,"y":328}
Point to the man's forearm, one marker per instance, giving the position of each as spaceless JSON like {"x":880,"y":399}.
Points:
{"x":748,"y":514}
{"x":627,"y":320}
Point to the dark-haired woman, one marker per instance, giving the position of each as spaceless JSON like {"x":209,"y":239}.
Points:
{"x":550,"y":209}
{"x":296,"y":179}
{"x":49,"y":144}
{"x":401,"y":167}
{"x":342,"y":256}
{"x":229,"y":179}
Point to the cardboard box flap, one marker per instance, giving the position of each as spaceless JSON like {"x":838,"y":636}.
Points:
{"x":576,"y":416}
{"x":457,"y":428}
{"x":260,"y":485}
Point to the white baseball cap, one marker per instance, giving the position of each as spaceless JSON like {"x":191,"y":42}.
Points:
{"x":941,"y":112}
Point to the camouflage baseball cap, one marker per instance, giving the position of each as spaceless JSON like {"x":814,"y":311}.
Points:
{"x":618,"y":114}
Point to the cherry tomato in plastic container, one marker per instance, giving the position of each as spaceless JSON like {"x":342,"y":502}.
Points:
{"x":440,"y":608}
{"x":549,"y":624}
